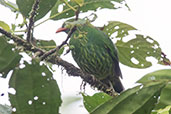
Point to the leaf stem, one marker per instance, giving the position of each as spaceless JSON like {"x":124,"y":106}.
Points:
{"x":70,"y":6}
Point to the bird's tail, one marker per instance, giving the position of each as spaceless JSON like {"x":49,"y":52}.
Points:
{"x":114,"y":83}
{"x":117,"y":85}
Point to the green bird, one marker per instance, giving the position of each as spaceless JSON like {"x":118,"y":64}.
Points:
{"x":94,"y":52}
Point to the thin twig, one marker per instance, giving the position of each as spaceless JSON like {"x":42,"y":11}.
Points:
{"x":58,"y":47}
{"x":33,"y":14}
{"x":77,"y":13}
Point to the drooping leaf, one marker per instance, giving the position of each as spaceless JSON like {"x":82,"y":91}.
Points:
{"x":132,"y":101}
{"x":119,"y":27}
{"x":13,"y":7}
{"x":8,"y":58}
{"x":36,"y":90}
{"x":158,"y":76}
{"x":44,"y":7}
{"x":134,"y":53}
{"x":86,"y":6}
{"x":5,"y":109}
{"x":91,"y":102}
{"x":4,"y":26}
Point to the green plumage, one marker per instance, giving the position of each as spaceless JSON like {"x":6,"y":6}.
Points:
{"x":95,"y":54}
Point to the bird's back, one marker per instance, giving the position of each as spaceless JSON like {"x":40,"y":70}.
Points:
{"x":95,"y":53}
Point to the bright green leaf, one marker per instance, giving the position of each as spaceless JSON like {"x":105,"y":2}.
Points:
{"x":132,"y":101}
{"x":44,"y":7}
{"x":8,"y":58}
{"x":158,"y":76}
{"x":87,"y":6}
{"x":4,"y":26}
{"x":91,"y":102}
{"x":36,"y":90}
{"x":134,"y":53}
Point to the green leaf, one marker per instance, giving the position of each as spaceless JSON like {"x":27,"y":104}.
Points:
{"x":5,"y":109}
{"x":119,"y":27}
{"x":8,"y":59}
{"x":132,"y":101}
{"x":160,"y":75}
{"x":13,"y":7}
{"x":134,"y":53}
{"x":91,"y":102}
{"x":86,"y":6}
{"x":36,"y":90}
{"x":45,"y":44}
{"x":44,"y":7}
{"x":4,"y":26}
{"x":165,"y":97}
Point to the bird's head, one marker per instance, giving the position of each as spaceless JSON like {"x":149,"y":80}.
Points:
{"x":69,"y":24}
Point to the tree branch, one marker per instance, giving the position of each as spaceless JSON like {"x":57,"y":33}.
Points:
{"x":70,"y":68}
{"x":31,"y":21}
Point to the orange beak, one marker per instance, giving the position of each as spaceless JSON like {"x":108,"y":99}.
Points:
{"x":61,"y":30}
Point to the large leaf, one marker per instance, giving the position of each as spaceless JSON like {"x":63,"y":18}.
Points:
{"x":44,"y":7}
{"x":9,"y":58}
{"x":133,"y":101}
{"x":161,"y":75}
{"x":86,"y":6}
{"x":134,"y":53}
{"x":91,"y":102}
{"x":36,"y":90}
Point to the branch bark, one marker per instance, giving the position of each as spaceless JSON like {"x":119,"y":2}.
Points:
{"x":70,"y":68}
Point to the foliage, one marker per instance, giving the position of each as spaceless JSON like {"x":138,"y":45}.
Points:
{"x":38,"y":93}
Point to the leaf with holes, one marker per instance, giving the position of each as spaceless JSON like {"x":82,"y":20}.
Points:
{"x":86,"y":6}
{"x":44,"y":7}
{"x":134,"y":53}
{"x":119,"y":27}
{"x":158,"y":76}
{"x":9,"y":58}
{"x":36,"y":90}
{"x":132,"y":101}
{"x":91,"y":102}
